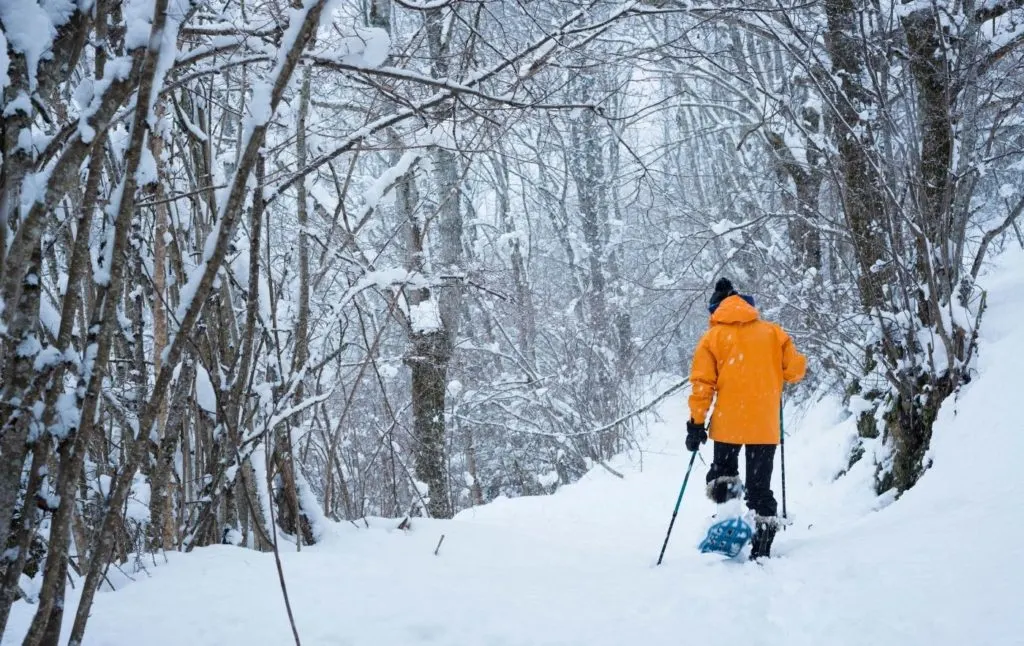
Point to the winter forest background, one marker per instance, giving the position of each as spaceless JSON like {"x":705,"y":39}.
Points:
{"x":266,"y":262}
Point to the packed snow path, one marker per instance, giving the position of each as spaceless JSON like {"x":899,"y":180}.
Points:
{"x":940,"y":566}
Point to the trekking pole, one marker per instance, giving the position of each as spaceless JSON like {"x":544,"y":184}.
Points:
{"x":782,"y":450}
{"x":676,"y":510}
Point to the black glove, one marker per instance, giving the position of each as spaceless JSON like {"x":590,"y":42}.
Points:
{"x":696,"y":435}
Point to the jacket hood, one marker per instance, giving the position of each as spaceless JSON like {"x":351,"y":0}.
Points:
{"x":734,"y":310}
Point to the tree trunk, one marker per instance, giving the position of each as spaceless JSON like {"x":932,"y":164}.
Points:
{"x":160,"y":509}
{"x":162,"y":533}
{"x":429,"y":363}
{"x":526,"y":321}
{"x":21,"y":311}
{"x":864,"y":204}
{"x":475,"y":491}
{"x":292,"y":518}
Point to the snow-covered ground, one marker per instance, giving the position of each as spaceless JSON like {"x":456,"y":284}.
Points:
{"x":942,"y":565}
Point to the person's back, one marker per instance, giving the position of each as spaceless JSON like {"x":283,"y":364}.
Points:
{"x":744,"y":361}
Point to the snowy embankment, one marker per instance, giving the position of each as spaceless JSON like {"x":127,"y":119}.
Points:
{"x":939,"y":566}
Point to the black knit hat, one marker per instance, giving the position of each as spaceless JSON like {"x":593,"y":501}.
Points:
{"x":723,"y":290}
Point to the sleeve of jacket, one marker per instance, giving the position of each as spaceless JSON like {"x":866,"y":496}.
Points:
{"x":794,"y":364}
{"x":703,"y":380}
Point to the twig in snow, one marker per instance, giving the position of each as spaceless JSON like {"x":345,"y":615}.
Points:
{"x":606,"y":466}
{"x":438,"y":548}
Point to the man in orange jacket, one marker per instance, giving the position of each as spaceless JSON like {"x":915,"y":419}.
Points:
{"x":744,"y":361}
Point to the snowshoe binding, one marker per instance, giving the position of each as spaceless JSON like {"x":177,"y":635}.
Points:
{"x":761,"y":545}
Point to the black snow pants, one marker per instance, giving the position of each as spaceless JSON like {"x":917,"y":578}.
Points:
{"x":760,"y":461}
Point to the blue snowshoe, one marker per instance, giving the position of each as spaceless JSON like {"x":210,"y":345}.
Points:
{"x":727,"y":537}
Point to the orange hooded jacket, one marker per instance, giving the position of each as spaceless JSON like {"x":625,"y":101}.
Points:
{"x":745,"y":361}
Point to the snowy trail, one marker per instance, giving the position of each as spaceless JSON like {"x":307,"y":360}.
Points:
{"x":577,"y":568}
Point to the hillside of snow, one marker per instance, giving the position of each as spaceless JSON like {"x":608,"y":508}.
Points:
{"x":939,"y":566}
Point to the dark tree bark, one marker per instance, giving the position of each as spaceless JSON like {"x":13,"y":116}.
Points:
{"x":429,"y":361}
{"x":864,"y":204}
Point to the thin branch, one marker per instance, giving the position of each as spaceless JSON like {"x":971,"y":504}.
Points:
{"x":989,"y":236}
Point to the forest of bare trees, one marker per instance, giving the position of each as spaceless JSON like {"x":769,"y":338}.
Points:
{"x":265,"y":263}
